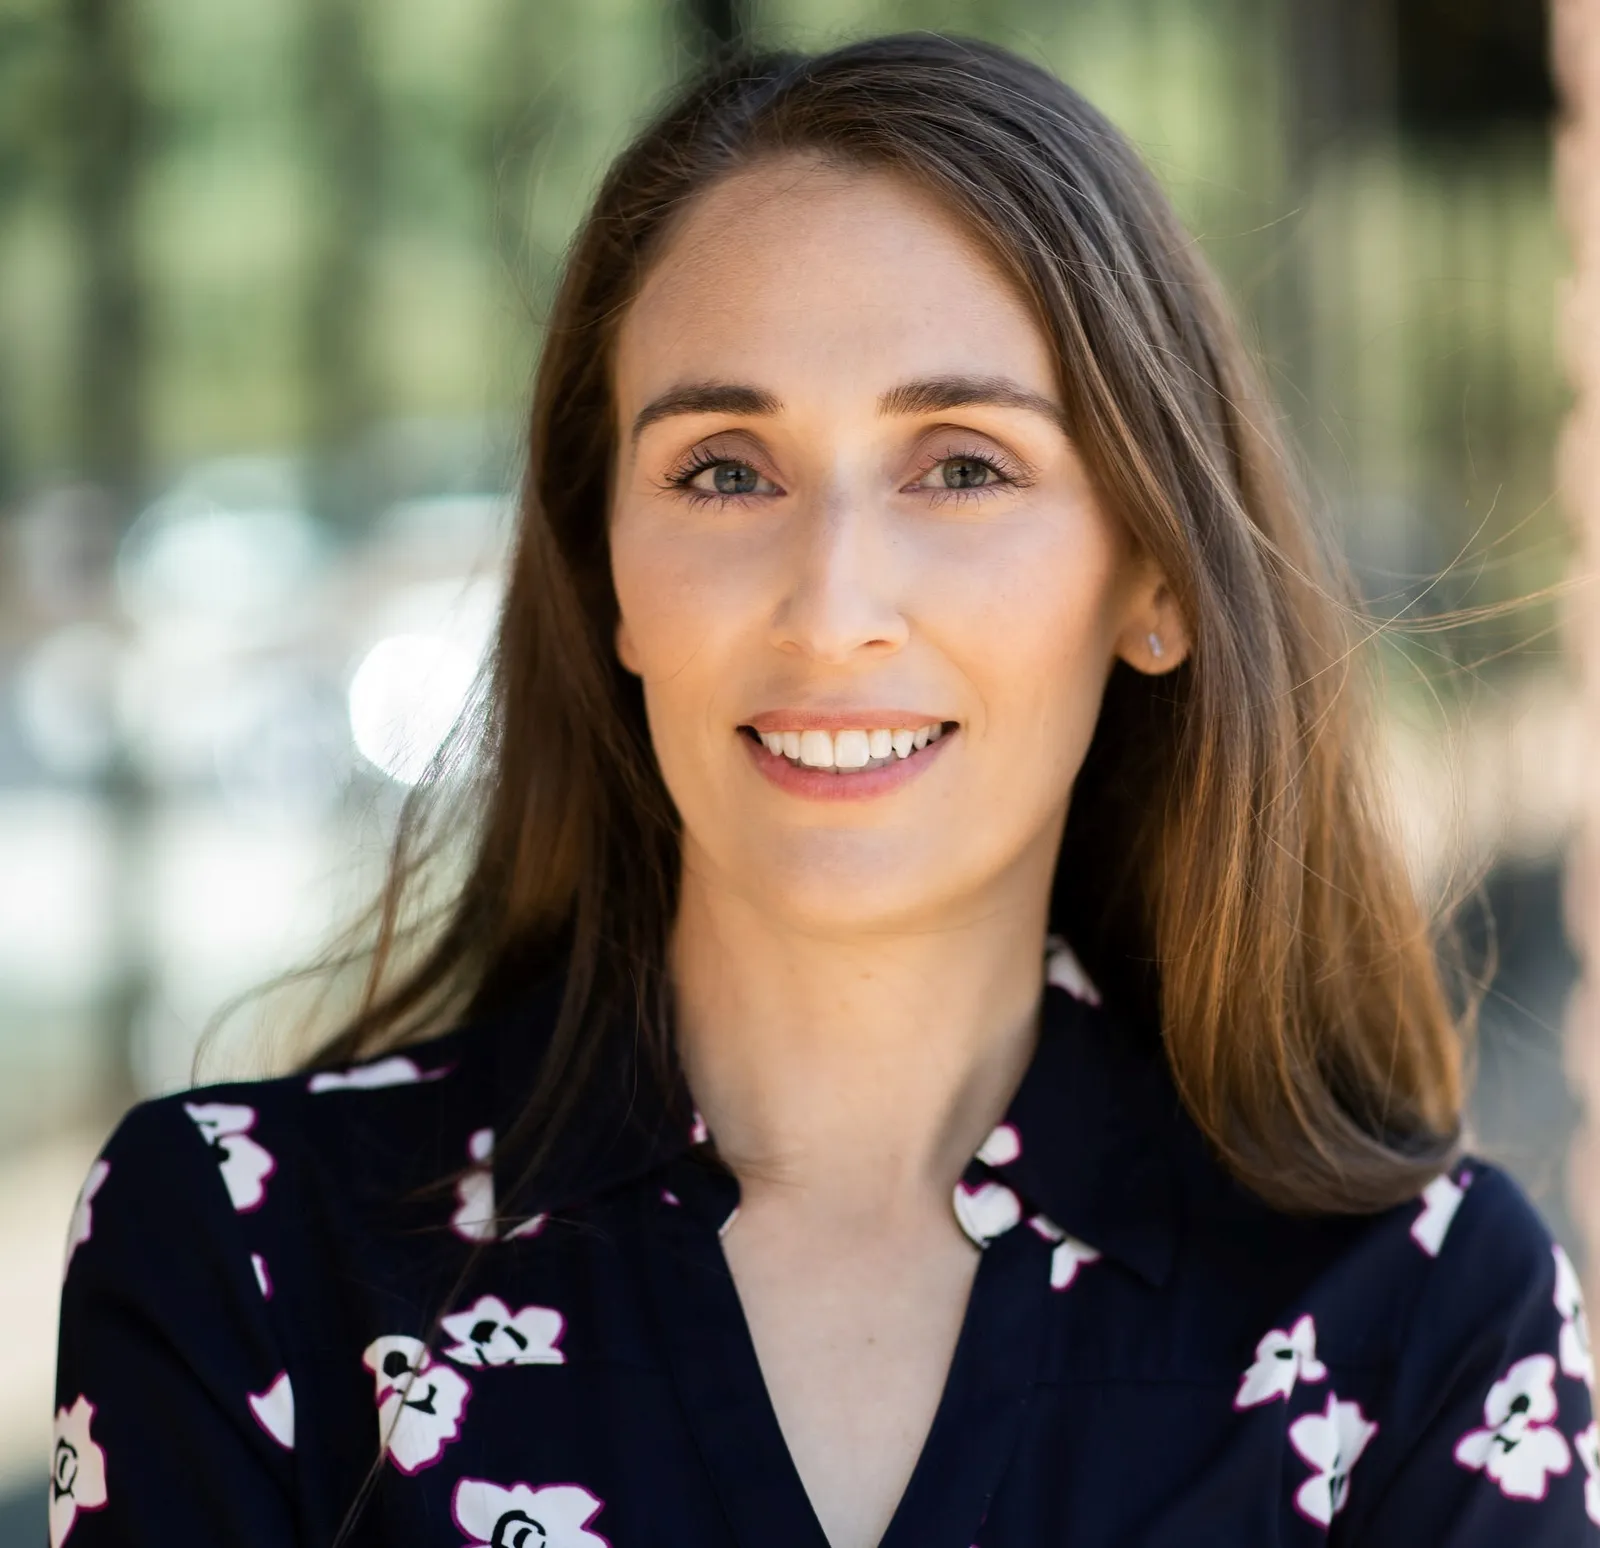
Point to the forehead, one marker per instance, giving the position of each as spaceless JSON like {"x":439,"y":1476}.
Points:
{"x":797,"y":268}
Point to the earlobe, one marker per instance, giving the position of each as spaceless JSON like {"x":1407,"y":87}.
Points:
{"x":1163,"y":652}
{"x":624,"y":647}
{"x":1155,"y":642}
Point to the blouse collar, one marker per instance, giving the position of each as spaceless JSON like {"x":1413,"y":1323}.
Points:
{"x":1085,"y":1148}
{"x":1086,"y":1140}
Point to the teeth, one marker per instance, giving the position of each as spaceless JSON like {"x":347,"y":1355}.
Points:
{"x":816,"y":749}
{"x":850,"y":749}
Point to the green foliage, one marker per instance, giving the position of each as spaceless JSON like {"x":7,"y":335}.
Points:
{"x":1403,"y":300}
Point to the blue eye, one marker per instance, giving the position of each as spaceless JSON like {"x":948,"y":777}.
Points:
{"x":730,"y":479}
{"x":734,"y":478}
{"x":968,"y":472}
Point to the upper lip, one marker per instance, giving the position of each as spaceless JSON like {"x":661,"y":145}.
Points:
{"x":842,"y":720}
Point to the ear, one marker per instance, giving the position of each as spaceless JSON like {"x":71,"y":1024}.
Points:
{"x":624,"y":645}
{"x":1154,"y":637}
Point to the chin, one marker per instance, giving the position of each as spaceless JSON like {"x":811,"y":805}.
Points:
{"x":827,"y":897}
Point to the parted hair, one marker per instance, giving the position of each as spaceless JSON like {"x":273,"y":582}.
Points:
{"x":1227,"y":874}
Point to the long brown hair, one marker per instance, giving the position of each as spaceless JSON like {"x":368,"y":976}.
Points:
{"x":1225,"y":869}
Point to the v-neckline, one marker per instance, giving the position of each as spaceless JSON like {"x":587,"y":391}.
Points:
{"x":717,"y":1373}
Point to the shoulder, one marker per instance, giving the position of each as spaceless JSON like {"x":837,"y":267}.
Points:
{"x":223,"y":1149}
{"x":1487,"y":1408}
{"x":1466,"y":1263}
{"x":1481,"y":1239}
{"x":1494,"y":1278}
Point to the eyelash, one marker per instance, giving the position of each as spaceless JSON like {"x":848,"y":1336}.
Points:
{"x":681,"y":480}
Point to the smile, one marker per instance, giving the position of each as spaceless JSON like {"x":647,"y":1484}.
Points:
{"x":857,"y":775}
{"x":850,"y":751}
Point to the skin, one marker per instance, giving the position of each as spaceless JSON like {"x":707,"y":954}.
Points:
{"x":857,"y":984}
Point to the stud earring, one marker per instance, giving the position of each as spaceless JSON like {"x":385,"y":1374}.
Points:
{"x":1155,"y":643}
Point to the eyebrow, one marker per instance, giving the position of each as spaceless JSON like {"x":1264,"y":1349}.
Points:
{"x":927,"y":395}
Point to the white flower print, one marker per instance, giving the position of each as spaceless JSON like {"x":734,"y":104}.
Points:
{"x":521,"y":1516}
{"x":474,"y":1215}
{"x":420,"y":1402}
{"x":1065,"y":1261}
{"x":263,"y":1278}
{"x":474,"y":1218}
{"x":1440,"y":1201}
{"x":82,"y":1226}
{"x":77,"y":1469}
{"x":246,"y":1164}
{"x":1063,"y":969}
{"x":1587,"y":1444}
{"x":1519,"y":1446}
{"x":490,"y":1333}
{"x":1070,"y":1253}
{"x":274,"y":1410}
{"x":1002,"y":1147}
{"x":1281,"y":1360}
{"x":986,"y":1211}
{"x":396,"y":1070}
{"x":1331,"y":1442}
{"x":1574,"y":1348}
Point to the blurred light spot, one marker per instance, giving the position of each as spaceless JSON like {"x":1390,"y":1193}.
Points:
{"x":57,"y":940}
{"x":284,"y":744}
{"x":65,"y":696}
{"x":229,"y":906}
{"x":229,"y":541}
{"x":404,"y":698}
{"x":179,"y":689}
{"x":446,"y":532}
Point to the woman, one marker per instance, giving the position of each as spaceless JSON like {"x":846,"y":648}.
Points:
{"x":934,"y":1046}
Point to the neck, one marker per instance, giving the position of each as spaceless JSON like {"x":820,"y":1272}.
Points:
{"x":860,"y":1073}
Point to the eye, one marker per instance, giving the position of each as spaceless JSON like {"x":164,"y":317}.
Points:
{"x":968,"y":473}
{"x":720,"y":478}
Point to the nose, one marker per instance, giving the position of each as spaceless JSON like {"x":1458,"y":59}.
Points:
{"x":843,"y":590}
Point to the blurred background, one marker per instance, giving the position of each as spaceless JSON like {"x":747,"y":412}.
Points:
{"x":271,"y":286}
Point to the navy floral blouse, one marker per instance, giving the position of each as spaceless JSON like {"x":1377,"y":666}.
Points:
{"x":260,"y":1318}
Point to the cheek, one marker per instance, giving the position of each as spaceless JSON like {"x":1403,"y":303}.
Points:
{"x":662,"y":603}
{"x":683,"y":628}
{"x":1040,"y":629}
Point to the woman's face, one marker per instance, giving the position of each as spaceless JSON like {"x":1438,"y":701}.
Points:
{"x":843,"y":497}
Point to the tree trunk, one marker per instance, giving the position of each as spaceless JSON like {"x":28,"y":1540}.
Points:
{"x":107,"y":144}
{"x":110,"y":431}
{"x":715,"y":24}
{"x":344,"y":130}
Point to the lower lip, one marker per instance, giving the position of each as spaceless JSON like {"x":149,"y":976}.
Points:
{"x":823,"y":785}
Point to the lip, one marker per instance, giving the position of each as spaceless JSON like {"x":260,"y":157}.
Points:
{"x":824,"y":785}
{"x":823,"y":719}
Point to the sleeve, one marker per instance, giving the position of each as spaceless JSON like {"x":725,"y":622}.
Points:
{"x":1491,"y":1413}
{"x":174,"y":1411}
